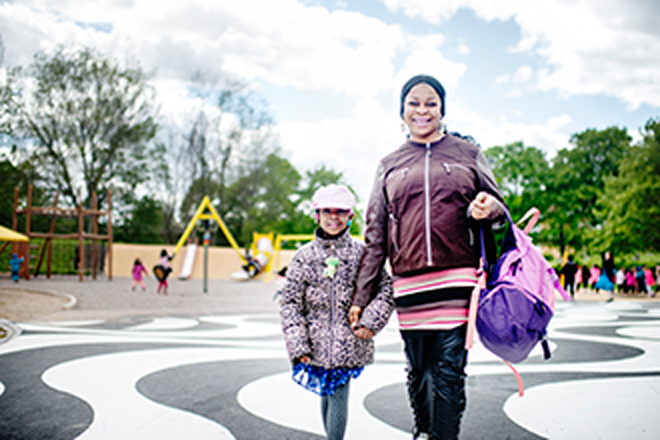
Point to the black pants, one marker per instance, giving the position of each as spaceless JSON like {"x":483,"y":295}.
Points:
{"x":436,"y":380}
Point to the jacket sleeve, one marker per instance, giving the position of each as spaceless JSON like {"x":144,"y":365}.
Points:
{"x":293,"y":312}
{"x":376,"y":315}
{"x":375,"y":240}
{"x":497,"y":219}
{"x":488,"y":183}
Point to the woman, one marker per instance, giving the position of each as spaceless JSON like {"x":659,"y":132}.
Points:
{"x":423,"y":216}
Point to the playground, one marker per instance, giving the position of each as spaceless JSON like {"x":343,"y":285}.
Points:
{"x":261,"y":260}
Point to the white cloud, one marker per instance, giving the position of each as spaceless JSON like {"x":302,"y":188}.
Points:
{"x":352,"y":145}
{"x":284,"y":42}
{"x":488,"y":132}
{"x":593,"y":47}
{"x":559,"y":121}
{"x":523,"y":74}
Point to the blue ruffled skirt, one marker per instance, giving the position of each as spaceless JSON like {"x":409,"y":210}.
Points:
{"x":321,"y":381}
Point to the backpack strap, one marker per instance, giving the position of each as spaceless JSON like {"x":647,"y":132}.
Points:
{"x":521,"y":388}
{"x":474,"y":305}
{"x":476,"y":292}
{"x":534,"y":213}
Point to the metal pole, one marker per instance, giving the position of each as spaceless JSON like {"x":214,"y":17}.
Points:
{"x":207,"y":239}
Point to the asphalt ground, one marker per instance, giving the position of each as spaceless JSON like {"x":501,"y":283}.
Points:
{"x":108,"y":362}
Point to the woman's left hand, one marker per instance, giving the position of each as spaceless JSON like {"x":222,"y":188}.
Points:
{"x":482,"y":206}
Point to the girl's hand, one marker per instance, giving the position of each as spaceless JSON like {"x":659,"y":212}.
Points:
{"x":364,"y":333}
{"x":354,"y":316}
{"x":304,"y":359}
{"x":482,"y":206}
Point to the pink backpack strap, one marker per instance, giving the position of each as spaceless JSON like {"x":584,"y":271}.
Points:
{"x":534,"y":213}
{"x":521,"y":388}
{"x":559,"y":288}
{"x":474,"y":305}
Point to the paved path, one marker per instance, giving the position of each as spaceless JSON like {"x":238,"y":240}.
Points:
{"x":133,"y":365}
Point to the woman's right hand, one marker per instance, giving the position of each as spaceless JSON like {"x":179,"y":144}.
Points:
{"x":304,"y":359}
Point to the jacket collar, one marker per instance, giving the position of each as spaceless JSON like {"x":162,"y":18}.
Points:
{"x":341,"y":240}
{"x":423,"y":144}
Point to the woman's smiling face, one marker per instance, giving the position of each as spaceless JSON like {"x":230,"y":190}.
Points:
{"x":422,"y":112}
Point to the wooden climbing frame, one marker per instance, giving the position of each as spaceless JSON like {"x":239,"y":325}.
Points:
{"x":55,"y":212}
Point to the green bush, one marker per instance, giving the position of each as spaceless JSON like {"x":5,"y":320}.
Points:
{"x":62,"y":260}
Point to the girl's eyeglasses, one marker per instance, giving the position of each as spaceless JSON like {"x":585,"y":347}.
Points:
{"x":337,"y":212}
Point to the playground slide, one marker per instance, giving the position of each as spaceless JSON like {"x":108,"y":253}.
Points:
{"x":188,"y":262}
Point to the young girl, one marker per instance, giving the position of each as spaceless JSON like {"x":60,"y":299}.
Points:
{"x":138,"y":269}
{"x":166,"y":268}
{"x":324,"y":351}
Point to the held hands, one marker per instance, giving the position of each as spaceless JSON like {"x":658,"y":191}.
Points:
{"x":364,"y":333}
{"x":482,"y":206}
{"x":354,"y":318}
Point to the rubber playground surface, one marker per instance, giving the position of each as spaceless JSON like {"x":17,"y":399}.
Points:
{"x":131,"y":364}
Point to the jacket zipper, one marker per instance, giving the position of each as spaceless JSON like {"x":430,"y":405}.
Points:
{"x":332,"y":310}
{"x":448,"y":167}
{"x":427,"y":201}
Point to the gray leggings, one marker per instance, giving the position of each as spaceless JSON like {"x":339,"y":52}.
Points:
{"x":334,"y":411}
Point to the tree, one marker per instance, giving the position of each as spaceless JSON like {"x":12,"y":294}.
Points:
{"x":264,"y":199}
{"x":227,"y":136}
{"x":576,"y":182}
{"x":630,"y":207}
{"x":521,"y":173}
{"x":88,"y":121}
{"x":143,"y":224}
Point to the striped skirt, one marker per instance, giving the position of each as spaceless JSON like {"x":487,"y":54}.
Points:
{"x":435,"y":300}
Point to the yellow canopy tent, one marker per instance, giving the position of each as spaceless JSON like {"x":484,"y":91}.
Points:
{"x":7,"y":234}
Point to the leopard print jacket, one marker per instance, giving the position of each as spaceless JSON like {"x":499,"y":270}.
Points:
{"x":314,"y":308}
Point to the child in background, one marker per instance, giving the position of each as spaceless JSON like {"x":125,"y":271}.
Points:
{"x":138,"y":269}
{"x":631,"y":283}
{"x":165,"y":269}
{"x":649,"y":281}
{"x":620,"y":280}
{"x":323,"y":349}
{"x":15,"y":264}
{"x":594,"y":276}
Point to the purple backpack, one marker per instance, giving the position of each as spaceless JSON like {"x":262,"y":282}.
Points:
{"x":519,"y":299}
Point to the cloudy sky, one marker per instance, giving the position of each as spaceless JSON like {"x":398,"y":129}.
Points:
{"x":331,"y":71}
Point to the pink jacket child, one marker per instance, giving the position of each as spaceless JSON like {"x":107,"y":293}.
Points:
{"x":650,"y":282}
{"x":138,"y":269}
{"x":595,"y":274}
{"x":630,"y":280}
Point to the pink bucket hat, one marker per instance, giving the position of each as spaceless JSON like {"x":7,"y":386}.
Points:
{"x":333,"y":196}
